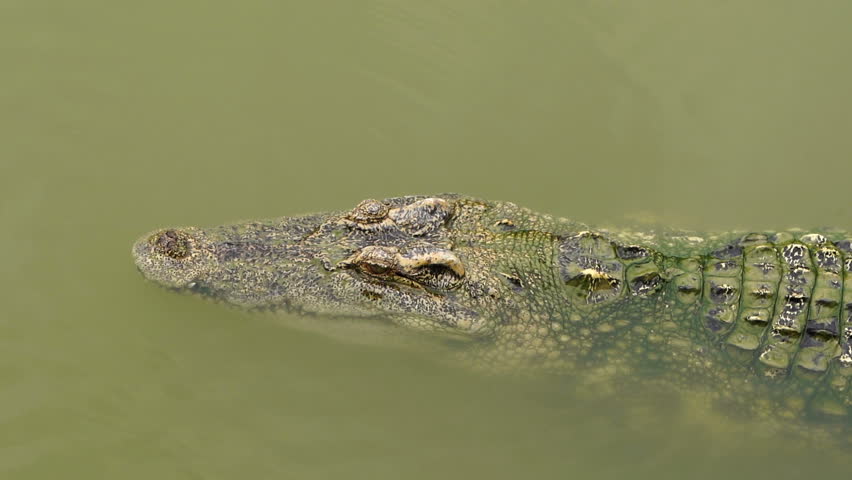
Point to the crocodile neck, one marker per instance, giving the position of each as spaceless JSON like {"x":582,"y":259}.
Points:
{"x":766,"y":309}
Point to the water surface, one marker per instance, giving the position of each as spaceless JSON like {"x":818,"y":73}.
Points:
{"x":120,"y":117}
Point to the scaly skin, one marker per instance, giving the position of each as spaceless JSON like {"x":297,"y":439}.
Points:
{"x":755,"y":323}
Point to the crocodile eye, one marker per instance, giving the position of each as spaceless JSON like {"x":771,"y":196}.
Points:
{"x":424,"y":266}
{"x":436,"y":276}
{"x":171,"y":243}
{"x":376,"y":269}
{"x":423,"y":216}
{"x":369,"y":211}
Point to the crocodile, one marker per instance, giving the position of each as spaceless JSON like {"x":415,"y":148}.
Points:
{"x":759,"y":322}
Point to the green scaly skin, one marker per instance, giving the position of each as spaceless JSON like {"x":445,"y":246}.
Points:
{"x":752,"y":324}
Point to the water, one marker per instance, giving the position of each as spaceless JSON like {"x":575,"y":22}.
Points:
{"x":120,"y":117}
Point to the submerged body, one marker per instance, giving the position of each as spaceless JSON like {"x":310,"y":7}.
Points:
{"x":758,"y":323}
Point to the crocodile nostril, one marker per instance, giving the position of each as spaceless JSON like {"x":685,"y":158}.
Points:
{"x":171,"y":243}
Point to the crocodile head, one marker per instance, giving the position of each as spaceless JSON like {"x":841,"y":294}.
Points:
{"x":426,"y":262}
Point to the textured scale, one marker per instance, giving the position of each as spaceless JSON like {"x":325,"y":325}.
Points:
{"x":785,"y":302}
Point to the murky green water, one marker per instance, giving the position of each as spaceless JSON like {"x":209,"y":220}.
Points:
{"x":119,"y":117}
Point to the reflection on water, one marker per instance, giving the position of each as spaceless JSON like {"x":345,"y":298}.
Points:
{"x":118,"y":118}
